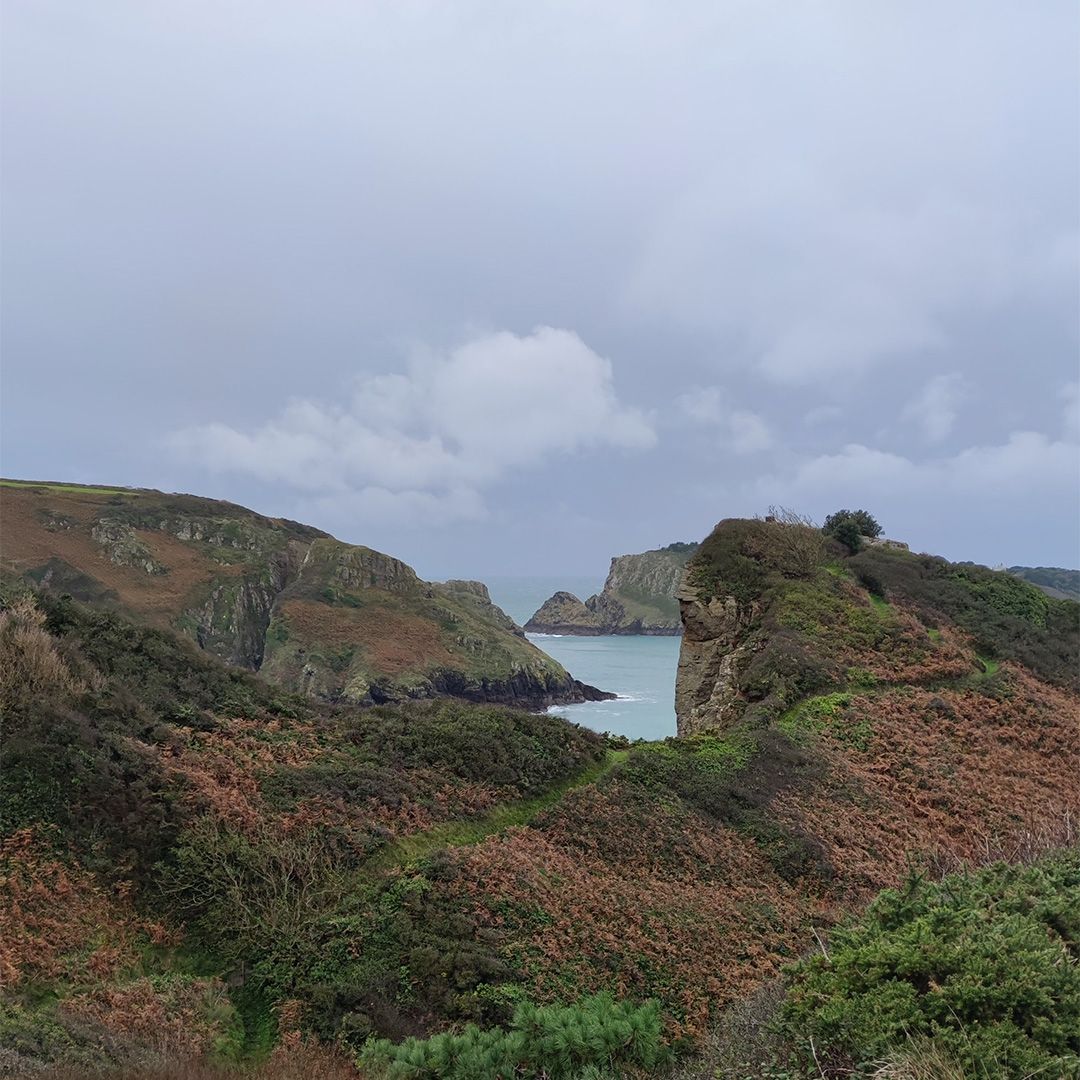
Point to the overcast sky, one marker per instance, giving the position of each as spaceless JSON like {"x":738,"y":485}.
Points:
{"x":514,"y":287}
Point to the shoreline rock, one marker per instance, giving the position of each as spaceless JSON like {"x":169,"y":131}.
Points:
{"x":638,"y":599}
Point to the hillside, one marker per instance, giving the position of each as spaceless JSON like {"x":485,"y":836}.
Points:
{"x":638,"y":598}
{"x":1054,"y":580}
{"x":773,"y":615}
{"x":242,"y":865}
{"x":306,"y":611}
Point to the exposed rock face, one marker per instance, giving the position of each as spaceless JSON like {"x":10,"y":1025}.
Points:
{"x":564,"y":613}
{"x":123,"y":546}
{"x":638,"y":598}
{"x":715,"y":650}
{"x":305,"y":610}
{"x":233,"y":621}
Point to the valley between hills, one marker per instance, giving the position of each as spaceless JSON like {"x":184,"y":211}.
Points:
{"x":272,"y":805}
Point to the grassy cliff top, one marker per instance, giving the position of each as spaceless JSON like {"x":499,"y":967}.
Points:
{"x":796,"y":579}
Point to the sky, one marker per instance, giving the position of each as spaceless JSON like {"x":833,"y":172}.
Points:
{"x":510,"y":288}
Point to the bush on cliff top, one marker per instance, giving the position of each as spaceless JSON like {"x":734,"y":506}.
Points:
{"x":741,"y":558}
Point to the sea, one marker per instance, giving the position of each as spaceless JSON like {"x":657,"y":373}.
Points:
{"x":641,"y":670}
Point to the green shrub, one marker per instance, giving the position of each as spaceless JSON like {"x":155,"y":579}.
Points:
{"x":1008,"y":618}
{"x":984,"y":964}
{"x":847,"y":523}
{"x":556,"y":1042}
{"x":733,"y":778}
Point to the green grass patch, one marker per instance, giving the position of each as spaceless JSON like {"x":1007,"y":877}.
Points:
{"x":827,"y":713}
{"x":472,"y":830}
{"x":879,"y":602}
{"x":989,"y":666}
{"x":860,"y":679}
{"x":77,"y":489}
{"x":821,"y":611}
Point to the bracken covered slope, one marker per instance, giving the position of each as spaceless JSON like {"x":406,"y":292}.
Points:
{"x":307,"y":611}
{"x":773,"y":615}
{"x":187,"y":848}
{"x":236,"y":854}
{"x":639,"y":597}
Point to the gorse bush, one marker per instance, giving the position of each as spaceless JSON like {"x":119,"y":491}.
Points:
{"x":985,"y":965}
{"x":556,"y":1042}
{"x":742,"y":558}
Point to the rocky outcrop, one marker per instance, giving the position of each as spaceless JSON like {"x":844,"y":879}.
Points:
{"x":527,"y":688}
{"x":233,"y":620}
{"x":639,"y":597}
{"x":564,"y":613}
{"x":122,"y":546}
{"x":716,"y":648}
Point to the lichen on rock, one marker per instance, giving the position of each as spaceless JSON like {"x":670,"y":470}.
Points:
{"x":123,"y":547}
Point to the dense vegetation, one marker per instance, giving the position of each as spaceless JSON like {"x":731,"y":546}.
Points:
{"x":1008,"y":619}
{"x":984,"y":966}
{"x":680,"y":547}
{"x":597,"y":1034}
{"x":201,"y":864}
{"x":1056,"y":578}
{"x":136,"y":768}
{"x":850,"y":526}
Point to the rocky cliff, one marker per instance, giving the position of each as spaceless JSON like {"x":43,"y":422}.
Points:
{"x":639,"y":597}
{"x":774,"y":615}
{"x":307,"y":611}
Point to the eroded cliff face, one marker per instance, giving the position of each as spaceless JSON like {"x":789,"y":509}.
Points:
{"x":305,"y":610}
{"x":716,"y":648}
{"x":638,"y":598}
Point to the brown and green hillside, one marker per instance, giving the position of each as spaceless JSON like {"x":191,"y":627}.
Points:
{"x":305,"y":610}
{"x":1055,"y":581}
{"x":247,"y":866}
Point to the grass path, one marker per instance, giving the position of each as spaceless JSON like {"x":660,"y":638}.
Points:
{"x":473,"y":830}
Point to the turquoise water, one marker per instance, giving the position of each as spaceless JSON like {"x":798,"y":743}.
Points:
{"x":641,"y":670}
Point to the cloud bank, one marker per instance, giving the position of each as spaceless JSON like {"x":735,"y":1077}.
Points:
{"x":857,"y":223}
{"x":425,"y":443}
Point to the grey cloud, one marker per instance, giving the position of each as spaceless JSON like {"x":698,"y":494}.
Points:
{"x":430,"y":439}
{"x":213,"y":210}
{"x":934,"y":410}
